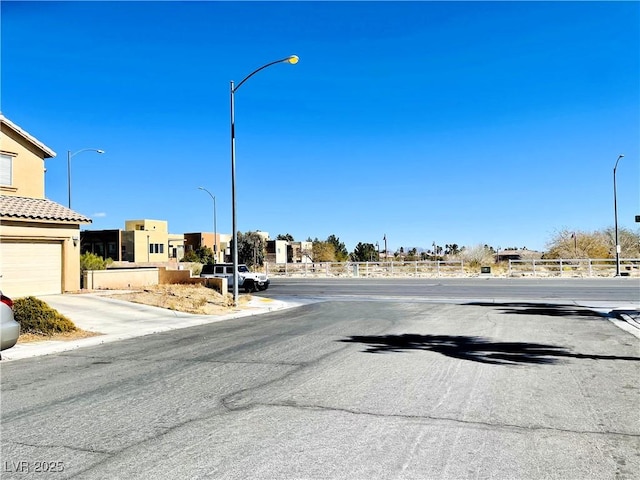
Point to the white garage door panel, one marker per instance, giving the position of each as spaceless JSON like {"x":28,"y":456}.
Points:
{"x":30,"y":268}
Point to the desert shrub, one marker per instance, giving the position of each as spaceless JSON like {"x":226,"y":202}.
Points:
{"x":477,"y":256}
{"x":190,"y":256}
{"x":35,"y":316}
{"x":90,"y":261}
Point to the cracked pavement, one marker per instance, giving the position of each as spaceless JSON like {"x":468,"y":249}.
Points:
{"x":338,"y":390}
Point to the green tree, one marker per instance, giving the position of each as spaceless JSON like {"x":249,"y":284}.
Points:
{"x":287,"y":236}
{"x":364,"y":252}
{"x":191,"y":256}
{"x":201,"y":254}
{"x":205,"y":255}
{"x":251,"y":249}
{"x":341,"y":253}
{"x":399,"y":254}
{"x":451,"y":249}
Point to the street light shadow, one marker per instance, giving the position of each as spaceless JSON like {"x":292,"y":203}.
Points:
{"x":475,"y":349}
{"x":549,"y":309}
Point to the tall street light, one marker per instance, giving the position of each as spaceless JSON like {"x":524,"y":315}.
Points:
{"x":292,"y":59}
{"x":69,"y":156}
{"x":615,"y":213}
{"x":215,"y":228}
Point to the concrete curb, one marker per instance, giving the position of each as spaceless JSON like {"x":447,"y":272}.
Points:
{"x":256,"y":306}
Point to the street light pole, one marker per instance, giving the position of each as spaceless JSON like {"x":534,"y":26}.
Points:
{"x":215,"y":228}
{"x":292,"y":59}
{"x":615,"y":213}
{"x":69,"y":156}
{"x":386,"y":253}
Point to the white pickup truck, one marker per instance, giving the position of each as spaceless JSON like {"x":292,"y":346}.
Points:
{"x":250,"y":281}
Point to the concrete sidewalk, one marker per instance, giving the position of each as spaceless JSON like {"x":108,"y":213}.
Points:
{"x":118,"y":320}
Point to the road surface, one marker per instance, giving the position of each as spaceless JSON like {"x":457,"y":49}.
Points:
{"x":340,"y":389}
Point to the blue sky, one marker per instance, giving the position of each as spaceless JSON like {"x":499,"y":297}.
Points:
{"x":456,"y":122}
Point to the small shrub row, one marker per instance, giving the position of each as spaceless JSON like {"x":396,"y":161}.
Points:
{"x":35,"y":316}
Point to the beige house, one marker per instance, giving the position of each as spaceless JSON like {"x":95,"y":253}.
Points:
{"x":141,"y":241}
{"x":39,"y":239}
{"x":148,"y":240}
{"x":219,"y":244}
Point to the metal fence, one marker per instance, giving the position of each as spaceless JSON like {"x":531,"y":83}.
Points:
{"x":575,"y":267}
{"x":367,"y":269}
{"x":514,"y":268}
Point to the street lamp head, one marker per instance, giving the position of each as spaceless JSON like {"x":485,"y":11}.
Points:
{"x":293,"y":59}
{"x":620,"y":156}
{"x":100,"y":151}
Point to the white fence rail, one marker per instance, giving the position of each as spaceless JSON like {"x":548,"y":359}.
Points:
{"x":578,"y":267}
{"x":514,"y":268}
{"x":367,"y":269}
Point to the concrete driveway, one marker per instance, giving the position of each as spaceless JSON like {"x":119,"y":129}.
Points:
{"x":118,"y":320}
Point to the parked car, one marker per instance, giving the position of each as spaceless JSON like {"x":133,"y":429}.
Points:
{"x":248,"y":280}
{"x":9,"y":328}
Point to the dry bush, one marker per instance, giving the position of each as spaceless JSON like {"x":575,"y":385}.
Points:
{"x":38,"y":318}
{"x":196,"y":299}
{"x":477,"y":256}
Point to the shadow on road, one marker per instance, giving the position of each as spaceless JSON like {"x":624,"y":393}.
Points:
{"x":550,"y":309}
{"x":476,"y":349}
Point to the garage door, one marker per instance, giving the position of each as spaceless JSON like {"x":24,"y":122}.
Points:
{"x":30,"y":268}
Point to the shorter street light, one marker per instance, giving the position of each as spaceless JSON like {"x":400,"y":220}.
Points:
{"x":615,"y":213}
{"x":69,"y":156}
{"x":215,"y":228}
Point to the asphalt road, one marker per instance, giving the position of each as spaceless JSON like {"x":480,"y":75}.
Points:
{"x":342,"y":389}
{"x":585,"y":290}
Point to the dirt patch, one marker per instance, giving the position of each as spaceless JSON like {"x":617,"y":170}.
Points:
{"x":196,"y":299}
{"x":64,"y":337}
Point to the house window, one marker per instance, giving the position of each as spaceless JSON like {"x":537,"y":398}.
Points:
{"x":161,"y":248}
{"x":6,"y":170}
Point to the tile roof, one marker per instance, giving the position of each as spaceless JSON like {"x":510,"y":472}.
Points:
{"x":38,"y":209}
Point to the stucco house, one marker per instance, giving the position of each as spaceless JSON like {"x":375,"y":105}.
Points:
{"x":39,"y":239}
{"x":141,"y":241}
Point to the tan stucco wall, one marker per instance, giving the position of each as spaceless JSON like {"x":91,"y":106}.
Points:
{"x":120,"y":278}
{"x":127,"y":278}
{"x":51,"y":232}
{"x":146,"y":224}
{"x":28,"y":166}
{"x":142,"y":239}
{"x":147,"y":232}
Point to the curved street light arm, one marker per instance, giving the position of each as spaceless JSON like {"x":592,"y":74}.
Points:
{"x":215,"y":227}
{"x":97,"y":150}
{"x":290,"y":59}
{"x":69,"y":156}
